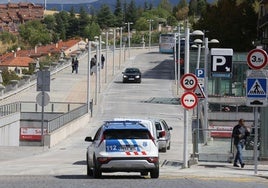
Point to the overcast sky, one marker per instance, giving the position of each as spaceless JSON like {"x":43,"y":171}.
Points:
{"x":48,"y":1}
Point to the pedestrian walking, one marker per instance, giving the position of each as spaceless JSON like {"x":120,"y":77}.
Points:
{"x":102,"y":61}
{"x":240,"y":133}
{"x":73,"y":67}
{"x":76,"y":62}
{"x":93,"y":62}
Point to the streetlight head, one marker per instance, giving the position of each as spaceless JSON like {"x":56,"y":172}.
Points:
{"x":198,"y":41}
{"x":194,"y":46}
{"x":214,"y":41}
{"x":197,"y":32}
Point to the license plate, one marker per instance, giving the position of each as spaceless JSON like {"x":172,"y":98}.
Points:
{"x":131,"y":79}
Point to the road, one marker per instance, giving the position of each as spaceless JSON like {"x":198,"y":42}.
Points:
{"x":64,"y":165}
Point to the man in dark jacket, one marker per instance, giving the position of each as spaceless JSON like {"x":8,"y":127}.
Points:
{"x":239,"y":134}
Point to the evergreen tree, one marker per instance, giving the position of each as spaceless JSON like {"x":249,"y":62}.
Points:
{"x":105,"y":17}
{"x":118,"y":13}
{"x":131,"y":13}
{"x":232,"y":23}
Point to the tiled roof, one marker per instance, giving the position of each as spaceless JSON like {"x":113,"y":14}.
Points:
{"x":18,"y":62}
{"x":22,"y":58}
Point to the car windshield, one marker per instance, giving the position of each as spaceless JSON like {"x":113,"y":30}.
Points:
{"x":126,"y":134}
{"x":131,"y":70}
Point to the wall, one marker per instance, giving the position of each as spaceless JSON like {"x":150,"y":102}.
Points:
{"x":9,"y":130}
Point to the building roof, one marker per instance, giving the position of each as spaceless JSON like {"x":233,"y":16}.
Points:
{"x":17,"y":62}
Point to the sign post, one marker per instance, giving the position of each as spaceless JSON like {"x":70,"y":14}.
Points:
{"x":256,"y":90}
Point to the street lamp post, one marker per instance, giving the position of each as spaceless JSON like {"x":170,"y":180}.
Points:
{"x":106,"y":55}
{"x":128,"y":29}
{"x":206,"y":86}
{"x":150,"y":32}
{"x":120,"y":52}
{"x":88,"y":78}
{"x":186,"y":112}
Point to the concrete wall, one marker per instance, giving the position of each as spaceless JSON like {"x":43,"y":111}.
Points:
{"x":55,"y":137}
{"x":10,"y":130}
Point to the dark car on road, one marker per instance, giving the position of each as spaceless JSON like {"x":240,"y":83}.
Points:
{"x":132,"y":75}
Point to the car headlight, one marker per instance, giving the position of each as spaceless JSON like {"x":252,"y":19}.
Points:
{"x":138,"y":76}
{"x":124,"y":76}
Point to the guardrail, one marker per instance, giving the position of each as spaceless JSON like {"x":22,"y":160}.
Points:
{"x":69,"y":111}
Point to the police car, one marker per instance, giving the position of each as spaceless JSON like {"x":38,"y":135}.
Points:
{"x":122,"y":146}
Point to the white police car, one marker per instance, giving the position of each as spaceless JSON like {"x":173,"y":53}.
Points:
{"x":122,"y":146}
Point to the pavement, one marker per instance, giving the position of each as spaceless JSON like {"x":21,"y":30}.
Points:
{"x":169,"y":169}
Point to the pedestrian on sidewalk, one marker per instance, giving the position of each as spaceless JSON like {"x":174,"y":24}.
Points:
{"x":73,"y":67}
{"x":102,"y":61}
{"x":240,"y":133}
{"x":76,"y":62}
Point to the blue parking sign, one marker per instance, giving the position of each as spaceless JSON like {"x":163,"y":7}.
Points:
{"x":200,"y":73}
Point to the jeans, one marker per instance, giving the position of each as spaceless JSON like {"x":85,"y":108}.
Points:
{"x":239,"y":156}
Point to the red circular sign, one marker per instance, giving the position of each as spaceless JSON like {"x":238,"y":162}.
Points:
{"x":189,"y":82}
{"x":257,"y":59}
{"x":189,"y":100}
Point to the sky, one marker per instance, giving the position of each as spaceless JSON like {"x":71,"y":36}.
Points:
{"x":48,"y":1}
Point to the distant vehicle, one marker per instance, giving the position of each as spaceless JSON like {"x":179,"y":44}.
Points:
{"x":167,"y":43}
{"x":131,"y":75}
{"x":164,"y":133}
{"x":122,"y":146}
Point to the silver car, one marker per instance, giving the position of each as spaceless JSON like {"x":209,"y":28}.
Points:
{"x":164,"y":134}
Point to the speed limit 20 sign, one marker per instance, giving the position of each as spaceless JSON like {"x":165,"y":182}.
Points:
{"x":257,"y":59}
{"x":189,"y":82}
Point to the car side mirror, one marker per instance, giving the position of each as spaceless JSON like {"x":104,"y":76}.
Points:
{"x":88,"y":139}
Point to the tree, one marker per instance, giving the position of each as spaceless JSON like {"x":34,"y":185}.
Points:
{"x":73,"y":25}
{"x":105,"y":17}
{"x":131,"y":12}
{"x":165,"y":4}
{"x":232,"y":23}
{"x":83,"y":22}
{"x":118,"y":13}
{"x":62,"y":24}
{"x":34,"y":33}
{"x":181,"y":10}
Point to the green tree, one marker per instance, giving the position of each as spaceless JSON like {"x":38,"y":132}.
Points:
{"x":118,"y":13}
{"x":181,"y":10}
{"x":131,"y":14}
{"x":83,"y":21}
{"x":232,"y":23}
{"x":34,"y":33}
{"x":73,"y":26}
{"x":165,"y":4}
{"x":93,"y":29}
{"x":62,"y":24}
{"x":105,"y":17}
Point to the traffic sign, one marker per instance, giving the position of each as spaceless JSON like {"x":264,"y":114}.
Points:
{"x":189,"y":100}
{"x":200,"y":73}
{"x":221,"y":62}
{"x":257,"y":59}
{"x":189,"y":82}
{"x":256,"y":88}
{"x":199,"y":92}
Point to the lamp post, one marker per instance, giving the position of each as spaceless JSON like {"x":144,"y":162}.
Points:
{"x":106,"y":55}
{"x":186,"y":112}
{"x":206,"y":86}
{"x":120,"y":52}
{"x":97,"y":69}
{"x":88,"y":78}
{"x":150,"y":32}
{"x":128,"y":29}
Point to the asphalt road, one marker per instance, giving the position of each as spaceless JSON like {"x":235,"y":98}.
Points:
{"x":64,"y":165}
